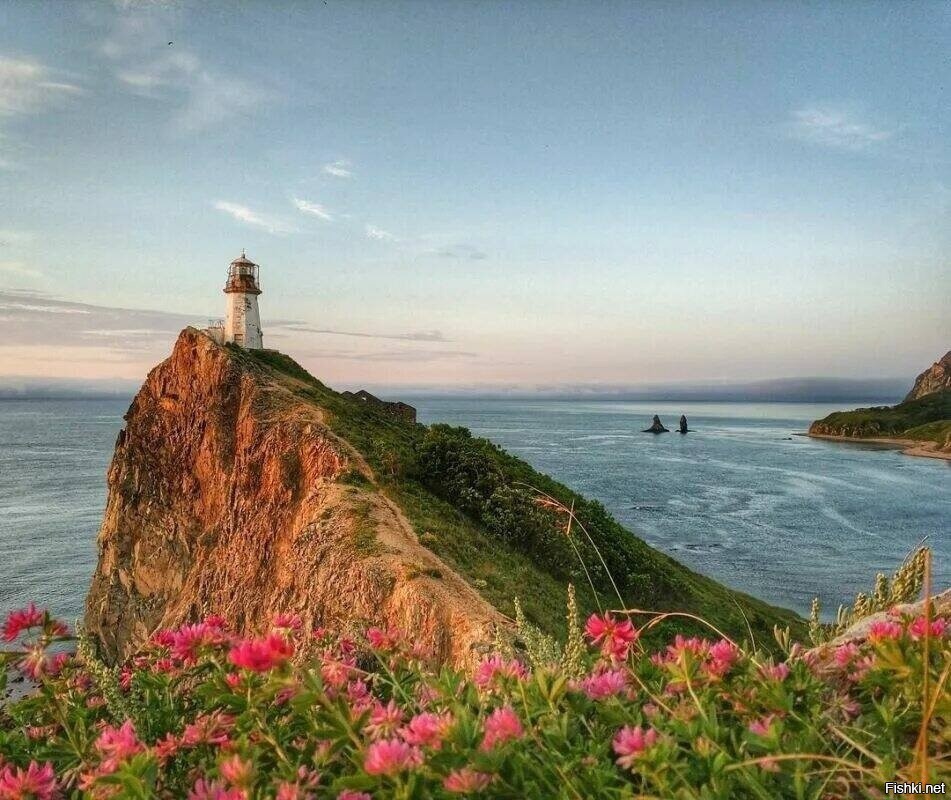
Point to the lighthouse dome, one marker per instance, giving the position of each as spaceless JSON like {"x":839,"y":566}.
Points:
{"x":243,"y":260}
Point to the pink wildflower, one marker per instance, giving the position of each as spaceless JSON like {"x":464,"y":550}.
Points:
{"x":390,"y":756}
{"x":291,"y":791}
{"x":33,"y":783}
{"x":236,"y":770}
{"x":777,"y":672}
{"x":383,"y":640}
{"x":762,"y":725}
{"x":288,"y":622}
{"x":38,"y":663}
{"x":884,"y":629}
{"x":189,"y":640}
{"x":261,"y":655}
{"x":614,"y":636}
{"x":215,"y":621}
{"x":214,"y":728}
{"x":426,"y":729}
{"x":695,"y":646}
{"x":497,"y":667}
{"x":630,"y":742}
{"x":22,"y":620}
{"x":467,"y":781}
{"x":845,"y":653}
{"x":115,"y":745}
{"x":349,"y":794}
{"x":166,"y":748}
{"x":917,"y":628}
{"x":604,"y":684}
{"x":502,"y":725}
{"x":384,"y":719}
{"x":163,"y":638}
{"x":723,"y":655}
{"x":336,"y":672}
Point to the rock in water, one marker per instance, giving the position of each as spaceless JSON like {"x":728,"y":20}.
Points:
{"x":683,"y":424}
{"x":229,"y":495}
{"x":656,"y":426}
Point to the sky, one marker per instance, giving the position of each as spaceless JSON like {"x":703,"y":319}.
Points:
{"x":471,"y":194}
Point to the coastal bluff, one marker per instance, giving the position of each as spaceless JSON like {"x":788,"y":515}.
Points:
{"x":229,"y":495}
{"x":242,"y":486}
{"x":920,"y":424}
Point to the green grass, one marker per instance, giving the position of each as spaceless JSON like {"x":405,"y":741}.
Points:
{"x":499,"y":570}
{"x":927,"y":418}
{"x":938,"y":432}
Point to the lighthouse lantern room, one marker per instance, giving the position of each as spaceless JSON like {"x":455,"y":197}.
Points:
{"x":242,"y":320}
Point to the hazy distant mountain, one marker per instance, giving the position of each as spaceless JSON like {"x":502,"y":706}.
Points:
{"x":23,"y":388}
{"x":789,"y":390}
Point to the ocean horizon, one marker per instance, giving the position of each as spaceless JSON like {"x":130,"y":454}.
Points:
{"x":740,"y":498}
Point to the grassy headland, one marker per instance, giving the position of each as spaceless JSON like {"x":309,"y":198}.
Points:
{"x":926,"y":420}
{"x":476,"y":506}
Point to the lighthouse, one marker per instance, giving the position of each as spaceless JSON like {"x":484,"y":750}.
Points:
{"x":242,"y":320}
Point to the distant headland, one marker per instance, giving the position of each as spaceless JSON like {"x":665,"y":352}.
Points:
{"x":920,"y":424}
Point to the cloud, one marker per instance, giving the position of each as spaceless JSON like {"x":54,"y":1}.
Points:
{"x":253,"y":218}
{"x":316,"y":209}
{"x":459,"y":251}
{"x":38,"y":319}
{"x":18,"y":269}
{"x":28,"y":87}
{"x":838,"y":128}
{"x":339,"y":168}
{"x":148,"y":65}
{"x":414,"y":336}
{"x":400,"y":356}
{"x":379,"y":234}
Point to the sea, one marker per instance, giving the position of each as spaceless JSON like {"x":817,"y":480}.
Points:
{"x":743,"y":497}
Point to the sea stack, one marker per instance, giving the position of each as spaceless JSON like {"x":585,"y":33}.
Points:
{"x":656,"y":426}
{"x":683,"y":424}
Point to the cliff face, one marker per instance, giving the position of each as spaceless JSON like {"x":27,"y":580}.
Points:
{"x":229,"y":495}
{"x":936,"y":378}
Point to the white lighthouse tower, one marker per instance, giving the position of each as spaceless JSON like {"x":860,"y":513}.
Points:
{"x":242,"y":320}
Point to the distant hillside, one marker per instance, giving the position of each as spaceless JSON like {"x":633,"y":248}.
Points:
{"x":924,"y":416}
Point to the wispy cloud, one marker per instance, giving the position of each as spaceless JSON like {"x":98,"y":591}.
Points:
{"x":838,"y":127}
{"x":39,"y":319}
{"x":379,"y":234}
{"x":19,"y":269}
{"x":459,"y":251}
{"x":253,"y":218}
{"x":148,"y":65}
{"x":413,"y":336}
{"x":339,"y":168}
{"x":28,"y":87}
{"x":398,"y":356}
{"x":315,"y":209}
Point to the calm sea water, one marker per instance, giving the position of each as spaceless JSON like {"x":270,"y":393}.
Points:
{"x":740,"y":498}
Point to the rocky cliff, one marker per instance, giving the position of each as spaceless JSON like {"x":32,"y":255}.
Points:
{"x":936,"y":378}
{"x":228,"y":494}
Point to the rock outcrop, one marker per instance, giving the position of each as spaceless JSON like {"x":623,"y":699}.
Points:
{"x":656,"y":426}
{"x":936,"y":378}
{"x":229,"y":495}
{"x":683,"y":424}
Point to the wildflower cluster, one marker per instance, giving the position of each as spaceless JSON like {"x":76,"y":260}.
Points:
{"x":209,"y":715}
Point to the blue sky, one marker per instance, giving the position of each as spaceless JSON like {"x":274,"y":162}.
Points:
{"x":481,"y":193}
